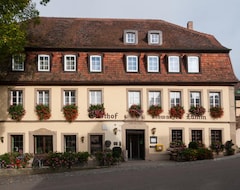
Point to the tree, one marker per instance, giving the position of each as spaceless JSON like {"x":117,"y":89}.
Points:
{"x":13,"y":14}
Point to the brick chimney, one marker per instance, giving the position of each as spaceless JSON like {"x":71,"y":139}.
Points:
{"x":190,"y":25}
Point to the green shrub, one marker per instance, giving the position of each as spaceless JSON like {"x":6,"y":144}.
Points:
{"x":188,"y":154}
{"x":193,"y":145}
{"x":105,"y":158}
{"x":204,"y":153}
{"x":15,"y":160}
{"x":228,"y":148}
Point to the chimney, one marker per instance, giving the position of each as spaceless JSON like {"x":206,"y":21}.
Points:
{"x":190,"y":25}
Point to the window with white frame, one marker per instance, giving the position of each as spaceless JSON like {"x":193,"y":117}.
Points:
{"x":95,"y":63}
{"x":214,"y":98}
{"x":155,"y":37}
{"x":16,"y":97}
{"x":134,"y":98}
{"x":195,"y":99}
{"x":154,"y":98}
{"x":69,"y":97}
{"x":43,"y":97}
{"x":18,"y":62}
{"x":17,"y":143}
{"x":153,"y":63}
{"x":175,"y":98}
{"x":193,"y":64}
{"x":43,"y":63}
{"x":95,"y":97}
{"x":70,"y":63}
{"x":132,"y":63}
{"x":130,"y":37}
{"x":173,"y":64}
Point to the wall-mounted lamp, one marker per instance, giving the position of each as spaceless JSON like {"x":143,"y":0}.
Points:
{"x":115,"y":130}
{"x":82,"y":139}
{"x":153,"y":131}
{"x":2,"y":139}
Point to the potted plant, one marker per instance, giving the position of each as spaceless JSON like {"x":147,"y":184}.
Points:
{"x":217,"y":147}
{"x":155,"y":110}
{"x":96,"y":111}
{"x":216,"y":112}
{"x":70,"y":112}
{"x":43,"y":112}
{"x":177,"y":112}
{"x":135,"y":110}
{"x":16,"y":112}
{"x":197,"y":111}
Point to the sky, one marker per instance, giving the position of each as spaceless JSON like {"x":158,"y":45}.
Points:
{"x":219,"y":18}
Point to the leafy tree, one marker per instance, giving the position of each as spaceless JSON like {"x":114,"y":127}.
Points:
{"x":12,"y":13}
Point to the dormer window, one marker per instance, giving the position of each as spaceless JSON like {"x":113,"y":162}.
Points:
{"x":193,"y":64}
{"x":173,"y":64}
{"x":18,"y":62}
{"x":155,"y":37}
{"x":132,"y":63}
{"x":153,"y":64}
{"x":70,"y":63}
{"x":95,"y":63}
{"x":130,"y":37}
{"x":43,"y":63}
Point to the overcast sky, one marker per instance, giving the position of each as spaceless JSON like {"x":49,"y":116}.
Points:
{"x":216,"y":17}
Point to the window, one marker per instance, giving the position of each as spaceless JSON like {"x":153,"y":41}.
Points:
{"x":130,"y":37}
{"x":153,"y":64}
{"x":43,"y":63}
{"x":214,"y":99}
{"x":177,"y":135}
{"x":173,"y":64}
{"x":69,"y":97}
{"x":43,"y":144}
{"x":134,"y":97}
{"x":18,"y":62}
{"x":43,"y":97}
{"x":216,"y":136}
{"x":69,"y":63}
{"x":70,"y":143}
{"x":95,"y":97}
{"x":132,"y":64}
{"x":96,"y":143}
{"x":193,"y":64}
{"x":95,"y":63}
{"x":154,"y":98}
{"x":16,"y":143}
{"x":197,"y":136}
{"x":175,"y":99}
{"x":195,"y":99}
{"x":16,"y":97}
{"x":155,"y":37}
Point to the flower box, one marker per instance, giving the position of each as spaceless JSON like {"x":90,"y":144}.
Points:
{"x":43,"y":112}
{"x":155,"y":110}
{"x":216,"y":112}
{"x":96,"y":111}
{"x":135,"y":111}
{"x":70,"y":112}
{"x":16,"y":112}
{"x":197,"y":111}
{"x":176,"y":112}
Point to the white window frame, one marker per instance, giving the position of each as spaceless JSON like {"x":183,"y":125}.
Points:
{"x":134,"y":97}
{"x":173,"y":64}
{"x":43,"y":97}
{"x":154,"y":98}
{"x":18,"y":62}
{"x":70,"y":65}
{"x":69,"y":97}
{"x":95,"y":97}
{"x":214,"y":99}
{"x":193,"y":64}
{"x":43,"y":62}
{"x":195,"y":98}
{"x":153,"y":63}
{"x":132,"y":63}
{"x":95,"y":63}
{"x":175,"y":98}
{"x":130,"y":37}
{"x":154,"y":37}
{"x":16,"y":95}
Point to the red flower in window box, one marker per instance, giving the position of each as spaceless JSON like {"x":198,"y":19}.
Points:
{"x":70,"y":112}
{"x":197,"y":111}
{"x":216,"y":112}
{"x":135,"y":111}
{"x":96,"y":111}
{"x":43,"y":112}
{"x":177,"y":112}
{"x":155,"y":110}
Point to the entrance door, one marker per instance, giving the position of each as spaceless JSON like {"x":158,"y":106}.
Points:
{"x":43,"y":144}
{"x":135,"y":144}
